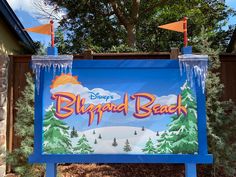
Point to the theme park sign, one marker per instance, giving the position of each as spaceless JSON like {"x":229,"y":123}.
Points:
{"x":67,"y":104}
{"x":119,"y":111}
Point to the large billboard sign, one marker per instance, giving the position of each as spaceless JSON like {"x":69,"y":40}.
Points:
{"x":120,"y":111}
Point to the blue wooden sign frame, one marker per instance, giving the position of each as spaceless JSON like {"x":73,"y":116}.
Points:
{"x":190,"y":161}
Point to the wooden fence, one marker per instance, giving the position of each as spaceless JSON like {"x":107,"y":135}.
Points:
{"x":228,"y":75}
{"x":19,"y":65}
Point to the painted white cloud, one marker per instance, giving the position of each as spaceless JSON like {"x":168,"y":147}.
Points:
{"x":94,"y":96}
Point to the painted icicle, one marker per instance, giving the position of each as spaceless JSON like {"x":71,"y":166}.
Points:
{"x":194,"y":66}
{"x":61,"y":63}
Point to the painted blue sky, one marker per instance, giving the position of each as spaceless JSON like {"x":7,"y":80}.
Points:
{"x":26,"y":12}
{"x":150,"y":81}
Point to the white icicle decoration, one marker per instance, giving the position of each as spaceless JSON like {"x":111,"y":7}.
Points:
{"x":194,"y":66}
{"x":61,"y":63}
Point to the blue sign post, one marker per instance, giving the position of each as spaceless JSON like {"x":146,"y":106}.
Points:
{"x":120,"y":111}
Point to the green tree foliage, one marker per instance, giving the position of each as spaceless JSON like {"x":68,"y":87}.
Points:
{"x":40,"y":48}
{"x":149,"y":147}
{"x":164,"y":144}
{"x":24,"y":129}
{"x":101,"y":25}
{"x":127,"y":146}
{"x":83,"y":146}
{"x":56,"y":139}
{"x":182,"y":131}
{"x":220,"y":114}
{"x":60,"y":42}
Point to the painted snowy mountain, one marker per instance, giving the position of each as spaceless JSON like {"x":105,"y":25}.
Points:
{"x":117,"y":139}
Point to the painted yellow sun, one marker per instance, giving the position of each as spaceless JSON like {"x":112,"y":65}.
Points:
{"x":64,"y":79}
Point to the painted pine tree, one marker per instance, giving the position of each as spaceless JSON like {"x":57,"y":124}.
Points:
{"x":73,"y":133}
{"x":127,"y":146}
{"x":181,"y":136}
{"x":83,"y":146}
{"x":183,"y":129}
{"x":55,"y":134}
{"x":149,"y":147}
{"x":164,"y":144}
{"x":114,"y":143}
{"x":100,"y":136}
{"x":95,"y":141}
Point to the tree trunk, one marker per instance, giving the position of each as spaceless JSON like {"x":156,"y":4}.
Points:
{"x":131,"y":36}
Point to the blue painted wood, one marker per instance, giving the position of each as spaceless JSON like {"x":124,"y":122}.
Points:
{"x":125,"y":64}
{"x":190,"y":170}
{"x":187,"y":50}
{"x":201,"y":115}
{"x":51,"y":170}
{"x":38,"y":122}
{"x":123,"y":158}
{"x":202,"y":157}
{"x":52,"y":51}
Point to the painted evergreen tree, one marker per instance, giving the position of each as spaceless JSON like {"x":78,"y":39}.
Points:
{"x":135,"y":132}
{"x":181,"y":136}
{"x":164,"y":144}
{"x":114,"y":143}
{"x":95,"y":141}
{"x":183,"y":129}
{"x":94,"y":132}
{"x":100,"y":136}
{"x":73,"y":133}
{"x":149,"y":147}
{"x":127,"y":146}
{"x":55,"y":134}
{"x":143,"y":128}
{"x":157,"y":134}
{"x":83,"y":146}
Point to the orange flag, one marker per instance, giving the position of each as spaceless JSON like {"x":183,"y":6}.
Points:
{"x":43,"y":29}
{"x":176,"y":26}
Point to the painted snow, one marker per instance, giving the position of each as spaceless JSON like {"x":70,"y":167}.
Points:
{"x":121,"y":133}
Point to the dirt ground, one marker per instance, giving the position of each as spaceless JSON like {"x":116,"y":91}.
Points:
{"x":129,"y":170}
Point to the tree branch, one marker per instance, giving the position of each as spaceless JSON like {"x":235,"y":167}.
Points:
{"x":135,"y":10}
{"x":46,"y":11}
{"x":120,"y":15}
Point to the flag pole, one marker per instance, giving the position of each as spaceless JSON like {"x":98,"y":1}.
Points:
{"x":52,"y":33}
{"x":52,"y":50}
{"x":185,"y":27}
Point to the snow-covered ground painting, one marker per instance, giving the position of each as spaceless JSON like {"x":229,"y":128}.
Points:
{"x":113,"y":140}
{"x":116,"y":111}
